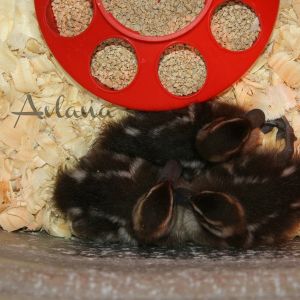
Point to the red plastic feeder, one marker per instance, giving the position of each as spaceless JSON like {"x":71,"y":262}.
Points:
{"x":224,"y":67}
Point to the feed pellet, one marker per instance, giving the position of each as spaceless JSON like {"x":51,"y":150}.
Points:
{"x":72,"y":16}
{"x":235,"y":26}
{"x":182,"y":71}
{"x":155,"y":17}
{"x":114,"y":64}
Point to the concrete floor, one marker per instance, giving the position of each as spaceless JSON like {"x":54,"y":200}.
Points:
{"x":36,"y":266}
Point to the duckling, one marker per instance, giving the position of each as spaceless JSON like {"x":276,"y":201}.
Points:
{"x":100,"y":206}
{"x":162,"y":136}
{"x":257,"y":202}
{"x":249,"y":201}
{"x":101,"y":192}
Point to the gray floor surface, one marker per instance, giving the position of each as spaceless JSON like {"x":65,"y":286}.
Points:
{"x":37,"y":266}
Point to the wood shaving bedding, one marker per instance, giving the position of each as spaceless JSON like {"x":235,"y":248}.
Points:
{"x":31,"y":153}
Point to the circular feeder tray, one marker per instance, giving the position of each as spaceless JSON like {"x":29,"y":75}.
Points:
{"x":146,"y":92}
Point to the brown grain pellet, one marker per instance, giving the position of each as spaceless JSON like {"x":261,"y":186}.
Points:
{"x":182,"y":71}
{"x":114,"y":64}
{"x":154,"y":17}
{"x":235,"y":26}
{"x":72,"y":16}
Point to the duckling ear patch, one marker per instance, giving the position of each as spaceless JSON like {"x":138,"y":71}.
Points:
{"x":153,"y":212}
{"x":222,"y":138}
{"x":219,"y":213}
